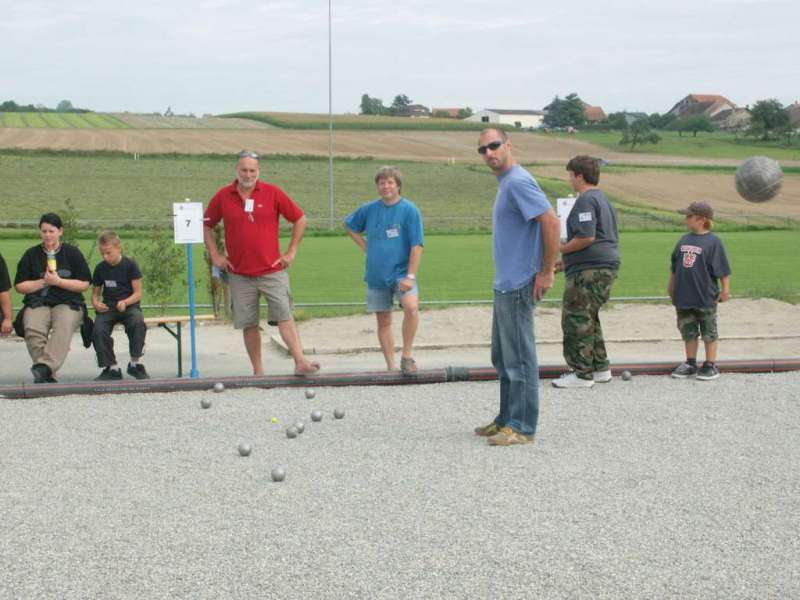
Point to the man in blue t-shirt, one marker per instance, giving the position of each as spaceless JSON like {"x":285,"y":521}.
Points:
{"x":526,"y":235}
{"x":393,"y":244}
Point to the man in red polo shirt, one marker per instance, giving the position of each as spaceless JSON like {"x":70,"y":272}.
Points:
{"x":250,"y":211}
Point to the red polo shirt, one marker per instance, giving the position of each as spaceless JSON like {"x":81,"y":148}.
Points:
{"x":252,"y":238}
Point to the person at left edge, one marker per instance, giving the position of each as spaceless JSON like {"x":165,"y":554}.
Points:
{"x":250,"y":211}
{"x":6,"y":310}
{"x":53,"y":276}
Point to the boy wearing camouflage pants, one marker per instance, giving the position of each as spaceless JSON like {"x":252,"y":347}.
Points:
{"x":590,"y":259}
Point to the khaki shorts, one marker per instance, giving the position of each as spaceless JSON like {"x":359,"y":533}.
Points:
{"x":246,"y":295}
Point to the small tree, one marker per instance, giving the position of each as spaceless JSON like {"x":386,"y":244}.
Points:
{"x":65,"y":106}
{"x":69,"y":219}
{"x":372,"y":106}
{"x":463,"y":113}
{"x":400,"y":104}
{"x":617,"y":121}
{"x":768,"y":117}
{"x":658,"y":121}
{"x":639,"y":133}
{"x":695,"y":124}
{"x":161,"y":261}
{"x":567,"y":112}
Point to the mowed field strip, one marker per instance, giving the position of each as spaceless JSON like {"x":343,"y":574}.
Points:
{"x":118,"y":189}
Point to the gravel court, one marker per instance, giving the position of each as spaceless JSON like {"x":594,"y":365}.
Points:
{"x":653,"y":488}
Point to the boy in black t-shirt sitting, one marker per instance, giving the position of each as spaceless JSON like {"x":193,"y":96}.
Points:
{"x":697,"y":262}
{"x":116,"y":294}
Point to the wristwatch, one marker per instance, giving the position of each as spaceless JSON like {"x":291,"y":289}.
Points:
{"x":410,"y":276}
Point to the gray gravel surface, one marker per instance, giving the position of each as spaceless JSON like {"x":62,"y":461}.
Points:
{"x":652,"y":488}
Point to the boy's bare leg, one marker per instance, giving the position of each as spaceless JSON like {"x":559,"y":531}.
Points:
{"x":252,"y":342}
{"x":711,"y":351}
{"x":386,"y":338}
{"x":691,"y":349}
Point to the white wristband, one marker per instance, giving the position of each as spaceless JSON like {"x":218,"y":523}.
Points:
{"x":410,"y":276}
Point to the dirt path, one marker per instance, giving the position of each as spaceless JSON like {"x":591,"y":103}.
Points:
{"x":406,"y":145}
{"x":471,"y":326}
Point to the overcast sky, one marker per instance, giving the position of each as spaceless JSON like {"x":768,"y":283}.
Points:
{"x":217,"y":56}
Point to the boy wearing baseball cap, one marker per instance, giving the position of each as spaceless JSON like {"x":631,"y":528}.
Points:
{"x":699,"y":266}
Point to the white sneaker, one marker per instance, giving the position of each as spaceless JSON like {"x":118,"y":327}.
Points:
{"x":571,"y":380}
{"x":602,"y":376}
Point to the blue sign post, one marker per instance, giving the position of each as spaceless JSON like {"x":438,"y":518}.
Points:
{"x":188,"y":223}
{"x":192,"y":312}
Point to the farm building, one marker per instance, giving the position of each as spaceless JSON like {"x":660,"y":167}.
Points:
{"x":448,"y":112}
{"x":503,"y":116}
{"x":794,"y":114}
{"x":708,"y":105}
{"x":594,"y":114}
{"x":735,"y":119}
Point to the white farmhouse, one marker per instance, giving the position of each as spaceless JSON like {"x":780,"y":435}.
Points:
{"x":522,"y":119}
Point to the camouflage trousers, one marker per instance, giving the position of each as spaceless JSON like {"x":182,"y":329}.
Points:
{"x":585,"y":292}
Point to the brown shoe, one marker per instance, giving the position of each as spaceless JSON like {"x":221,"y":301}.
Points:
{"x":408,"y":366}
{"x":488,"y":430}
{"x":509,"y":437}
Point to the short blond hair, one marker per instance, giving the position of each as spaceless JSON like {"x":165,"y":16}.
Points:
{"x":109,"y":238}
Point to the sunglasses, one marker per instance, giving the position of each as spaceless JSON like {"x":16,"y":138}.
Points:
{"x":491,"y":146}
{"x":248,"y":154}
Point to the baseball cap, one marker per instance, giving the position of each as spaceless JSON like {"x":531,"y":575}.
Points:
{"x":701,"y":209}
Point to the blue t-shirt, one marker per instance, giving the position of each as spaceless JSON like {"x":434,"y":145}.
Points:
{"x":392,"y":231}
{"x":517,"y":234}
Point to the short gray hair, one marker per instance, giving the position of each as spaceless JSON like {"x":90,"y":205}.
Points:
{"x":390,"y":172}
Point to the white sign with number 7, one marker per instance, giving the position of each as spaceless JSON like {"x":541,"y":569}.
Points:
{"x":188,"y":222}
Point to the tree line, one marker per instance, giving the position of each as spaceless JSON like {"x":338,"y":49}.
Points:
{"x":399,"y":106}
{"x":63,"y":106}
{"x":769,"y":119}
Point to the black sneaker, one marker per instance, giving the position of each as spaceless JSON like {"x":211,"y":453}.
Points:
{"x":109,"y":374}
{"x":684,"y":370}
{"x":42,"y":374}
{"x":708,"y":372}
{"x":138,"y":371}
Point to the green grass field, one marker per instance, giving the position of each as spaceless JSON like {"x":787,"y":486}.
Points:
{"x":705,"y":145}
{"x":115,"y":190}
{"x":459,"y":267}
{"x":321,"y":121}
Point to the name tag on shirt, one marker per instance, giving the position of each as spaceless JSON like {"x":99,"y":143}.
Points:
{"x":109,"y":283}
{"x":587,"y":216}
{"x":248,"y":205}
{"x":392,"y":232}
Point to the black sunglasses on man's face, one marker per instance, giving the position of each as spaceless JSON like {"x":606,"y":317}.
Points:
{"x":490,"y":146}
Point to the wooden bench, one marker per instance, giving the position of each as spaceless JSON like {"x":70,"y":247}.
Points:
{"x":178,"y":321}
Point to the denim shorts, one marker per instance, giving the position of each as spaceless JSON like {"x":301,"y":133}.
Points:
{"x":380,"y":299}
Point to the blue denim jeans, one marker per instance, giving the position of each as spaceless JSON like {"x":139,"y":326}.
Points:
{"x":514,"y":358}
